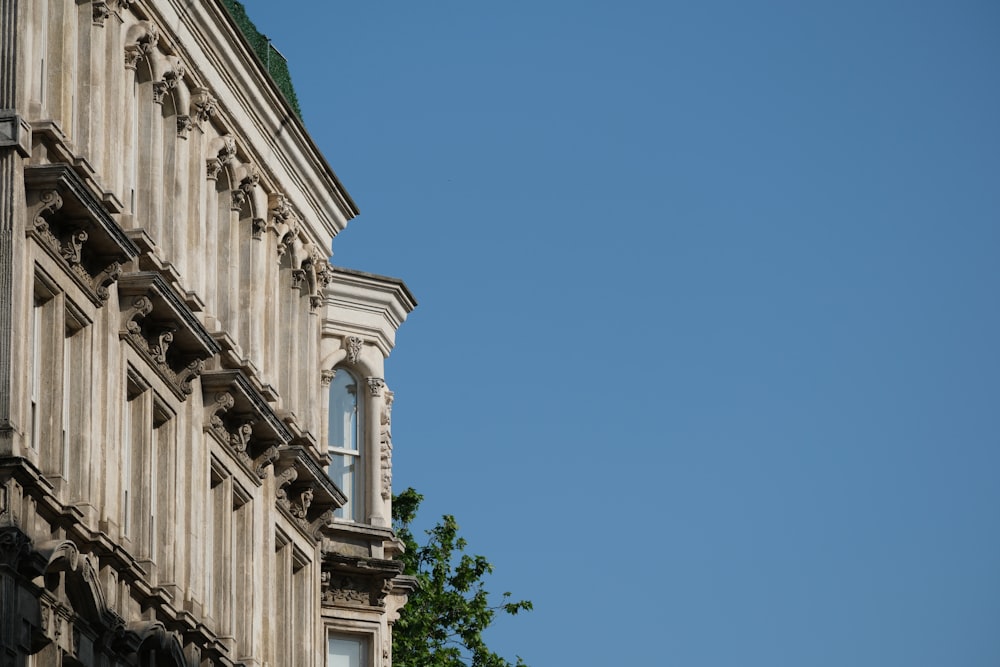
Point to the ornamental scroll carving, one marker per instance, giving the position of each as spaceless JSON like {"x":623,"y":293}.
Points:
{"x":385,"y":445}
{"x":67,"y":242}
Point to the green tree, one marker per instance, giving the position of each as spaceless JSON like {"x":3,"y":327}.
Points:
{"x":443,"y":622}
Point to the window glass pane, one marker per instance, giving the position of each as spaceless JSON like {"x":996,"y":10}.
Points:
{"x":343,"y":472}
{"x":345,"y":652}
{"x":343,"y":411}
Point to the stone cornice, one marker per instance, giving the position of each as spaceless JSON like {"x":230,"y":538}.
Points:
{"x":367,"y":304}
{"x":250,"y":104}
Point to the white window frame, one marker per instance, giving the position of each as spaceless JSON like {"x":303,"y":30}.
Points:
{"x":354,"y":509}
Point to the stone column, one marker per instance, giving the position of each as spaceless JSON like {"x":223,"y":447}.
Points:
{"x":15,"y":144}
{"x":371,"y":456}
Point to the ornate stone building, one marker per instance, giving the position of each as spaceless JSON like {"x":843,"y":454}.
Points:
{"x":195,"y":443}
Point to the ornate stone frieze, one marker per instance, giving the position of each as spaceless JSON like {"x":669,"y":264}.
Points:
{"x":72,"y":225}
{"x":353,"y":345}
{"x":160,"y":326}
{"x":385,"y":445}
{"x":353,"y":581}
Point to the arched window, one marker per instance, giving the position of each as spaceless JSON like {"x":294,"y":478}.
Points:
{"x":344,"y":442}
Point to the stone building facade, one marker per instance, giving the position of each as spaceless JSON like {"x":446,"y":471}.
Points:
{"x":195,"y":432}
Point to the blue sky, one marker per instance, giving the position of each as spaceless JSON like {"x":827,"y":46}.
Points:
{"x":707,"y":358}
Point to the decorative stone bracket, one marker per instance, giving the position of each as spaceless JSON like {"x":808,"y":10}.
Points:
{"x":161,"y":328}
{"x":304,"y":492}
{"x":72,"y":225}
{"x":239,"y":417}
{"x":351,"y":581}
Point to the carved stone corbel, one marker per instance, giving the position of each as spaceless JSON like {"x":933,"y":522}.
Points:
{"x":223,"y":403}
{"x":202,"y":105}
{"x":140,"y":308}
{"x":375,"y":386}
{"x":317,"y":525}
{"x":189,"y":373}
{"x":48,"y":203}
{"x":265,"y":459}
{"x":353,"y":345}
{"x":103,"y":280}
{"x":133,"y":54}
{"x":228,"y":151}
{"x":282,"y":481}
{"x":101,"y":13}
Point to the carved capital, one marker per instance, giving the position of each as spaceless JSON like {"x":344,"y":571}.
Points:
{"x":326,"y":377}
{"x":202,"y":105}
{"x":324,"y":273}
{"x":298,"y":277}
{"x":184,"y":125}
{"x":315,"y":301}
{"x":133,"y":54}
{"x":212,"y":168}
{"x":281,"y":209}
{"x":238,"y":197}
{"x":375,"y":385}
{"x":160,"y":89}
{"x":228,"y":151}
{"x":258,"y":225}
{"x":101,"y":13}
{"x":353,"y":345}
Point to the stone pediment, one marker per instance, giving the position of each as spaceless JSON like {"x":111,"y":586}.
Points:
{"x":73,"y":226}
{"x":159,"y":325}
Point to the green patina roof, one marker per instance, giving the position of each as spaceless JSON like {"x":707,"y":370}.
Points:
{"x":273,"y":61}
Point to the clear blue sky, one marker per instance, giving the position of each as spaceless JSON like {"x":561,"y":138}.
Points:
{"x":707,"y":358}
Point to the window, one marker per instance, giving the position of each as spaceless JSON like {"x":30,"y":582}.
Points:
{"x":347,"y":651}
{"x":344,"y":442}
